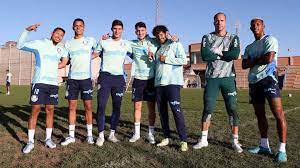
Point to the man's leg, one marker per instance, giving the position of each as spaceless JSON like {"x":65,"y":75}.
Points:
{"x":211,"y":92}
{"x":151,"y":118}
{"x":117,"y":94}
{"x":162,"y":106}
{"x":72,"y":91}
{"x":228,"y":89}
{"x":173,"y":92}
{"x":87,"y":96}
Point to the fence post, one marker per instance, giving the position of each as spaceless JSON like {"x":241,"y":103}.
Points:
{"x":20,"y":67}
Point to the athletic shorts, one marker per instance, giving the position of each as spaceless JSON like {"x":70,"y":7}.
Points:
{"x":7,"y":84}
{"x":43,"y":94}
{"x":84,"y":87}
{"x":143,"y":90}
{"x":265,"y":88}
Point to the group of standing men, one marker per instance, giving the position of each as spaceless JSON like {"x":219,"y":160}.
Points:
{"x":158,"y":76}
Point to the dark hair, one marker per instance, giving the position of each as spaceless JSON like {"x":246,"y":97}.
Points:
{"x":159,"y":28}
{"x":59,"y":28}
{"x":116,"y":23}
{"x":140,"y":24}
{"x":78,"y":20}
{"x":219,"y":13}
{"x":7,"y":70}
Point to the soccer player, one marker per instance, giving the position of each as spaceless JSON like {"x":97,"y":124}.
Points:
{"x":8,"y":81}
{"x":80,"y":50}
{"x":111,"y":79}
{"x":170,"y":59}
{"x":44,"y":88}
{"x":219,"y":49}
{"x":261,"y":57}
{"x":143,"y":66}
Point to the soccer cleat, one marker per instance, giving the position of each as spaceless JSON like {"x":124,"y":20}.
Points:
{"x":281,"y":157}
{"x":49,"y":143}
{"x":68,"y":140}
{"x":183,"y":146}
{"x":237,"y":147}
{"x":134,"y":138}
{"x":260,"y":150}
{"x":28,"y":148}
{"x":100,"y":141}
{"x":163,"y":142}
{"x":90,"y":140}
{"x":200,"y":144}
{"x":112,"y":138}
{"x":151,"y":139}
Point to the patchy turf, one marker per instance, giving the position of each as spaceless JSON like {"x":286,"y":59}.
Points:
{"x":14,"y":113}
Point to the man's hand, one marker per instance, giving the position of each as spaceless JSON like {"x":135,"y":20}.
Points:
{"x":217,"y":51}
{"x":162,"y":58}
{"x":150,"y":55}
{"x":33,"y":27}
{"x":105,"y":36}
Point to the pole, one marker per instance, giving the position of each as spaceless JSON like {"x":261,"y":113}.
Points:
{"x":20,"y":67}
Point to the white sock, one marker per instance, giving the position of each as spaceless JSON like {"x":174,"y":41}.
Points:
{"x":151,"y":130}
{"x":112,"y":133}
{"x":89,"y":128}
{"x":204,"y":136}
{"x":137,"y":128}
{"x":235,"y":138}
{"x":282,"y":147}
{"x":101,"y":134}
{"x":48,"y":133}
{"x":72,"y":131}
{"x":31,"y":135}
{"x":264,"y":142}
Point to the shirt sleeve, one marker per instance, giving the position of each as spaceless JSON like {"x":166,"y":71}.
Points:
{"x":246,"y":55}
{"x":99,"y":47}
{"x":94,"y":42}
{"x":206,"y":53}
{"x":180,"y":57}
{"x":234,"y":50}
{"x":271,"y":44}
{"x":27,"y":46}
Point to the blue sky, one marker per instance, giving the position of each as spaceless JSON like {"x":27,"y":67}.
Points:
{"x":189,"y":19}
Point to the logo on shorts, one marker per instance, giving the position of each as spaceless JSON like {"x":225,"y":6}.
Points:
{"x":88,"y":91}
{"x":175,"y":103}
{"x":271,"y":90}
{"x":67,"y":93}
{"x":119,"y":94}
{"x":54,"y":96}
{"x":34,"y":98}
{"x":232,"y":93}
{"x":98,"y":86}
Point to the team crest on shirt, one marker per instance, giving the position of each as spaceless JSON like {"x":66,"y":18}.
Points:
{"x":59,"y":50}
{"x":122,"y":44}
{"x":168,"y":48}
{"x":85,"y":42}
{"x":235,"y":43}
{"x":34,"y":98}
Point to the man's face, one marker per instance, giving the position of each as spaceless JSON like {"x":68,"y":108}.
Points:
{"x":141,"y":32}
{"x":78,"y":27}
{"x":220,"y":23}
{"x":117,"y":31}
{"x":162,"y":37}
{"x":257,"y":27}
{"x":57,"y":36}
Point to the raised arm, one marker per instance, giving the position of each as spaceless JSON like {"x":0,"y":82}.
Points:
{"x":22,"y":44}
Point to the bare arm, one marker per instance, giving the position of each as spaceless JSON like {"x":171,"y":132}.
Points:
{"x":262,"y":60}
{"x":63,"y":63}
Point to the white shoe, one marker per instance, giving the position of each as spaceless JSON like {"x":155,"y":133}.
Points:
{"x":151,"y":139}
{"x":100,"y":141}
{"x":49,"y":143}
{"x":237,"y":147}
{"x":28,"y":148}
{"x":163,"y":142}
{"x":134,"y":138}
{"x":113,"y":138}
{"x":68,"y":140}
{"x":200,"y":144}
{"x":90,"y":140}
